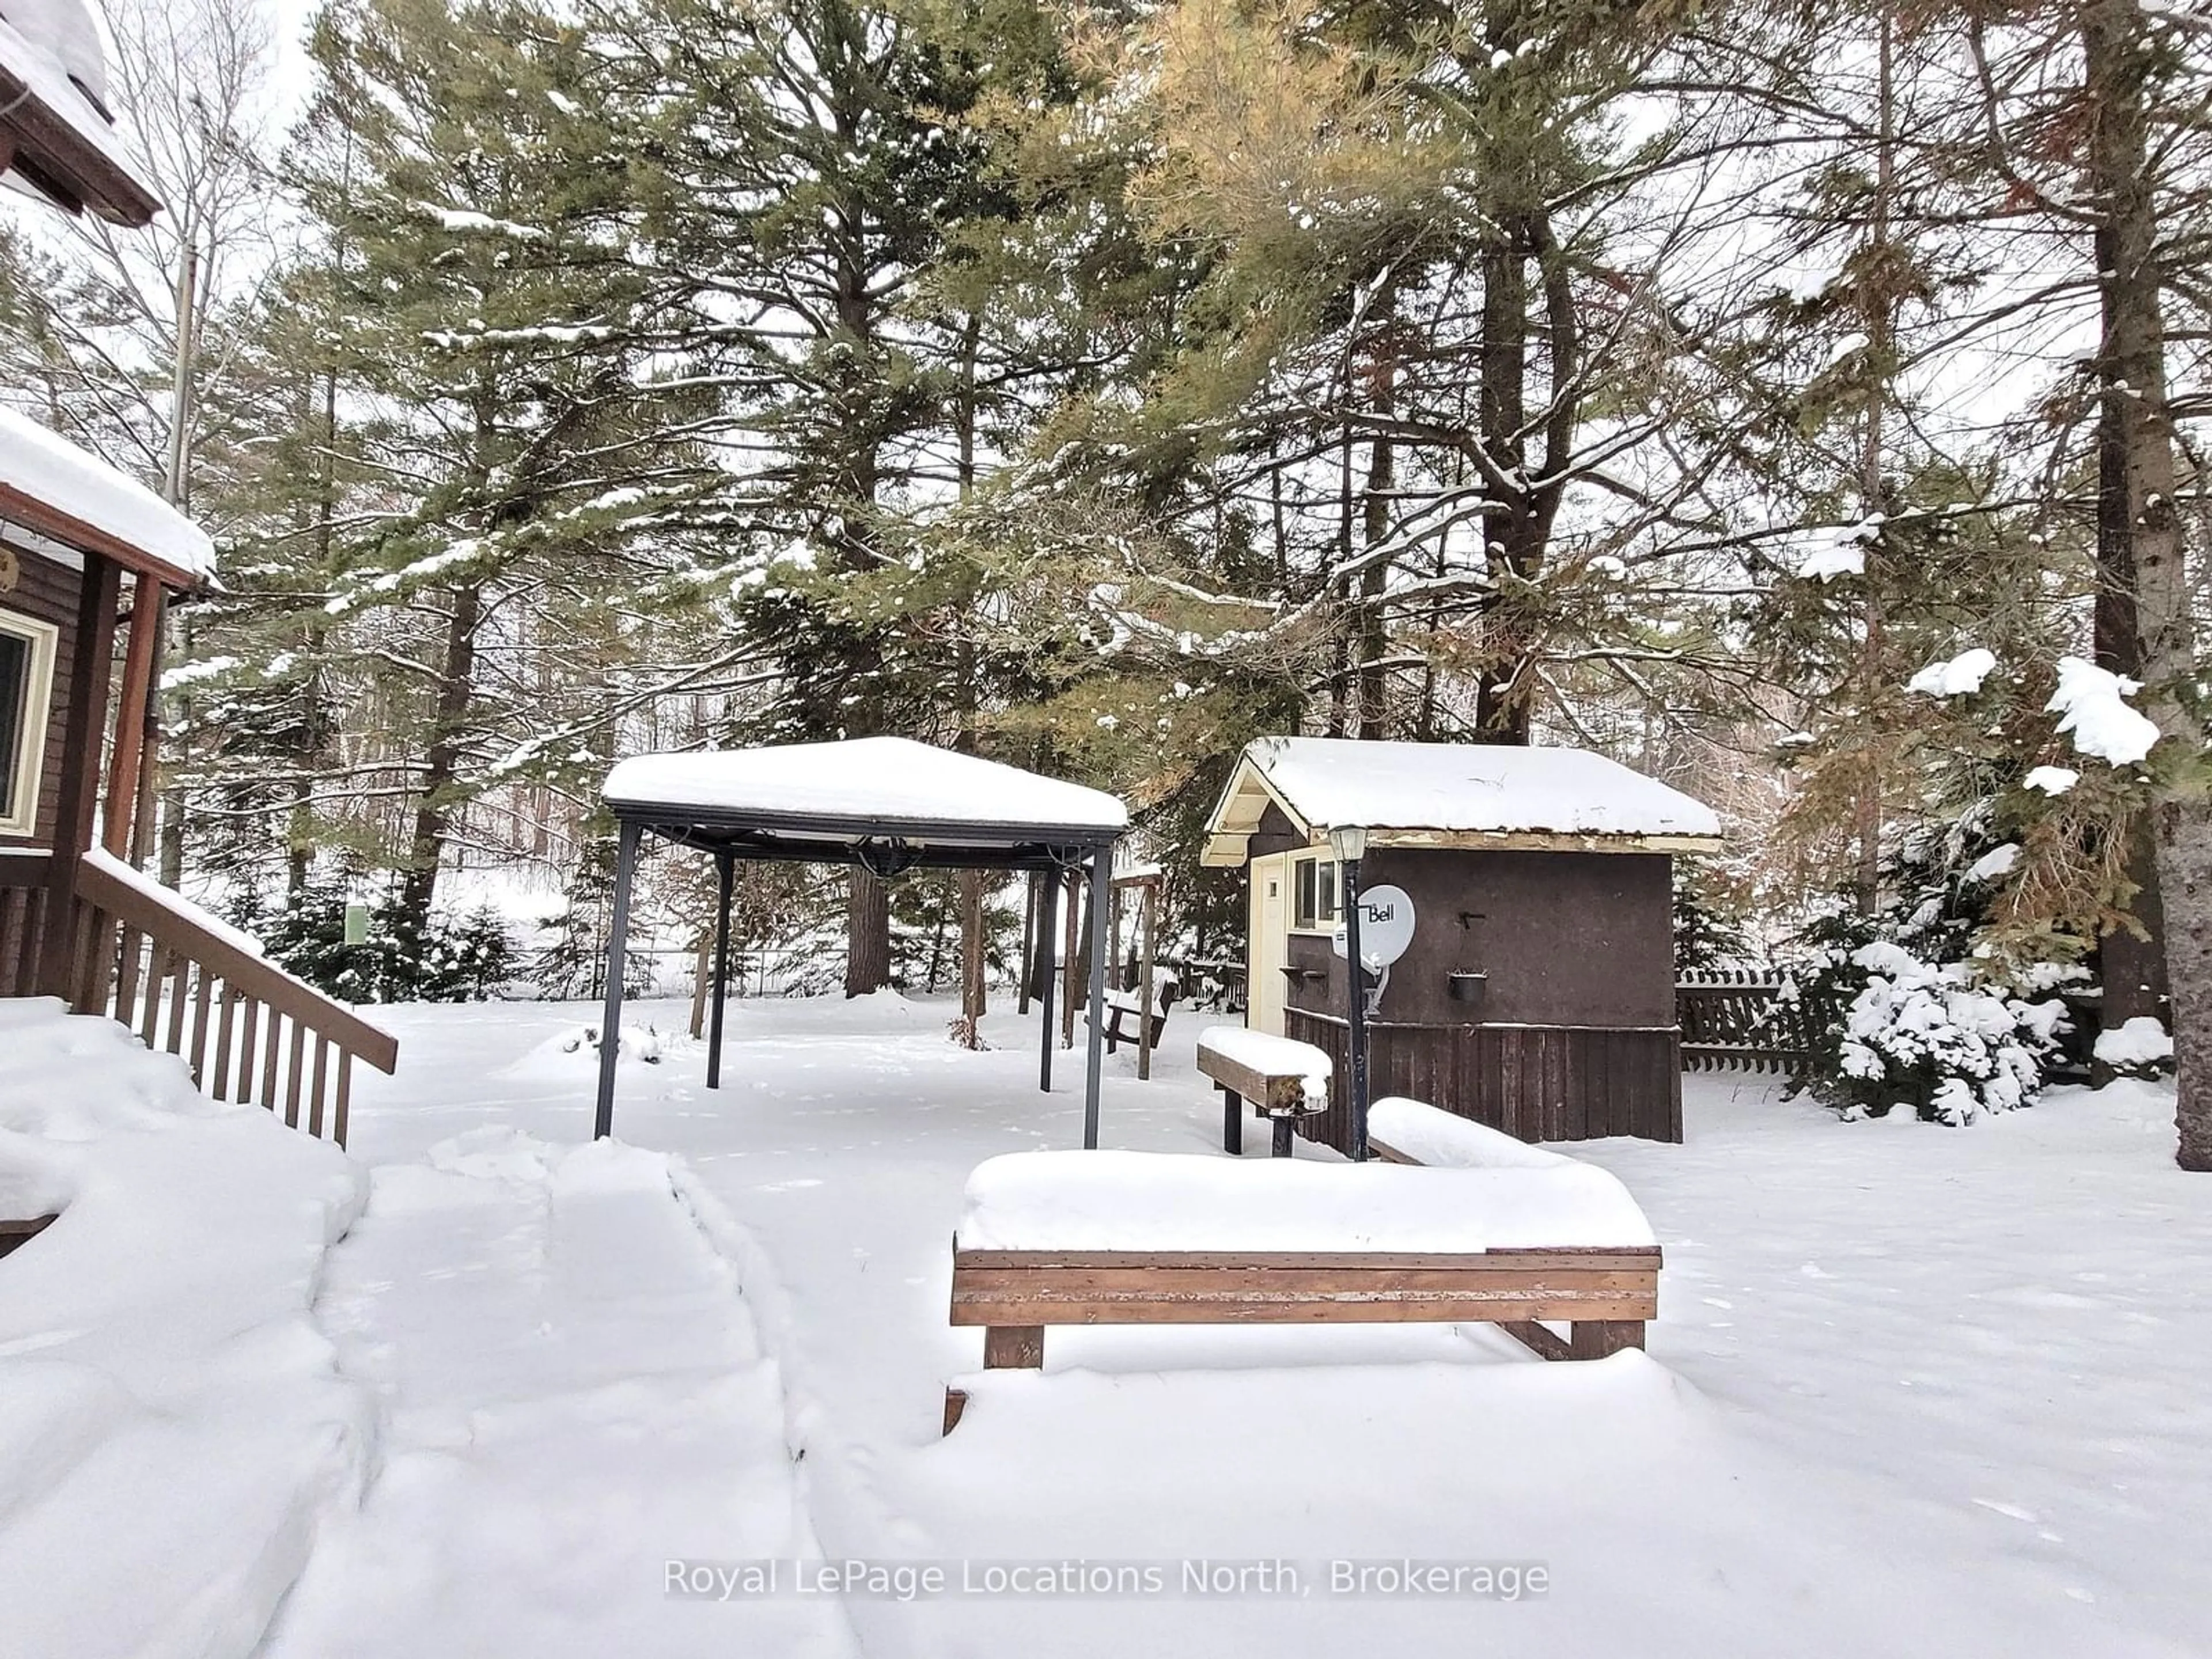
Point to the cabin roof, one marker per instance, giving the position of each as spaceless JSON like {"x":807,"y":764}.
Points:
{"x":59,"y":138}
{"x":1455,"y":795}
{"x":58,"y":492}
{"x":832,"y":801}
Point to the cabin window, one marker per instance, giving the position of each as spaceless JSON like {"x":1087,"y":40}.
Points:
{"x":1314,"y":910}
{"x":26,"y":684}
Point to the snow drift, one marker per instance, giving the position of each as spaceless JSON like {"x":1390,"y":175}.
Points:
{"x":173,"y":1428}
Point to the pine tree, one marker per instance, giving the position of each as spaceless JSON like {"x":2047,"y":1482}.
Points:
{"x":515,"y":420}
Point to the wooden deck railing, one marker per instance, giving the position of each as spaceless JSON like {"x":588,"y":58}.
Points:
{"x":250,"y":1031}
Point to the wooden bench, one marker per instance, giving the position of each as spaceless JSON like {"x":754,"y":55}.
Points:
{"x":14,"y":1234}
{"x":1605,"y":1296}
{"x":1276,"y":1089}
{"x":1121,"y":1017}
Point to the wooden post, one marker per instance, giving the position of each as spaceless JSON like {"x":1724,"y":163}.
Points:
{"x":121,"y":813}
{"x":84,"y":727}
{"x":1232,"y":1123}
{"x":1013,"y":1347}
{"x":1146,"y":896}
{"x":1595,"y":1338}
{"x":703,"y":969}
{"x":1114,"y":936}
{"x":1029,"y":941}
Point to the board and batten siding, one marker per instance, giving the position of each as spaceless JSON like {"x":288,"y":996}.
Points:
{"x":1535,"y":1082}
{"x":48,"y":590}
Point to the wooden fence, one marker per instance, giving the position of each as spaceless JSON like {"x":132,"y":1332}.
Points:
{"x":1749,"y":1020}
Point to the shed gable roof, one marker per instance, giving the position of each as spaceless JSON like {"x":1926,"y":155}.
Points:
{"x":1454,"y":794}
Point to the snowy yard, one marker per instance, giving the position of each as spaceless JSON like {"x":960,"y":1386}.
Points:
{"x":1912,"y":1391}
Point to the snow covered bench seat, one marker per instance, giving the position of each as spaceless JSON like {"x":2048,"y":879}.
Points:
{"x":1283,"y":1079}
{"x":1401,"y":1131}
{"x":1165,"y":1238}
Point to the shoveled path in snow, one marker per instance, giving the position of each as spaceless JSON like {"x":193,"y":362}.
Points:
{"x":572,"y":1395}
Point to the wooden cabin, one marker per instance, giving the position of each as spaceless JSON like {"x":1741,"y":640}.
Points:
{"x":1537,"y":993}
{"x":88,"y":559}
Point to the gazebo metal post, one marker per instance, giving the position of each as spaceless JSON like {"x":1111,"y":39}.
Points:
{"x":618,"y":954}
{"x":726,"y":874}
{"x":1047,"y":944}
{"x":1102,"y":899}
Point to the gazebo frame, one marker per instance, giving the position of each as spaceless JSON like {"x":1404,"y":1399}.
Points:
{"x":884,"y":847}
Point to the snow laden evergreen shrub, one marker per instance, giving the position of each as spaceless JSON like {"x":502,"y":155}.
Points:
{"x":1926,"y":1035}
{"x":465,"y":957}
{"x":1916,"y":1014}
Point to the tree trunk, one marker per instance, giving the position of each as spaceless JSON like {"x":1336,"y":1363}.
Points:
{"x":969,"y":1029}
{"x":1501,"y":701}
{"x":1878,"y":311}
{"x":867,"y":933}
{"x":1370,"y":720}
{"x":2130,"y":967}
{"x":2116,"y":57}
{"x":442,"y":767}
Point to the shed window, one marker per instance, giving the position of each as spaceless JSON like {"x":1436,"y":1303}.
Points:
{"x":26,"y":682}
{"x":1316,"y":887}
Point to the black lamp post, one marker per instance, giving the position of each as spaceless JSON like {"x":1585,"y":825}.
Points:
{"x":1349,"y":843}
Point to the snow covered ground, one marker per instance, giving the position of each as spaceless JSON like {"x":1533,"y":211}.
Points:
{"x":1914,"y":1390}
{"x":172,"y":1427}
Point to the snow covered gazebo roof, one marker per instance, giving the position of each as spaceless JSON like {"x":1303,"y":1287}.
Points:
{"x":863,"y":800}
{"x":56,"y":134}
{"x":1455,"y":795}
{"x":60,"y":494}
{"x":886,"y":804}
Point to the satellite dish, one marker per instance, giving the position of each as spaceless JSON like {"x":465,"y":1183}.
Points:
{"x":1386,"y":926}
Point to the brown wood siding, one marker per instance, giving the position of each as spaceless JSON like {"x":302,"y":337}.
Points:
{"x":1535,"y":1082}
{"x":1563,"y":939}
{"x":22,"y":920}
{"x":48,"y":591}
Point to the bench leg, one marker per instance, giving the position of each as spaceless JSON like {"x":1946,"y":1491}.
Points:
{"x":1232,"y":1123}
{"x":1283,"y":1126}
{"x":956,"y":1401}
{"x":1008,"y":1347}
{"x":1594,"y":1339}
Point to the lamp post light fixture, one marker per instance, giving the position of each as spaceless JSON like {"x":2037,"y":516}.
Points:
{"x":1349,"y":843}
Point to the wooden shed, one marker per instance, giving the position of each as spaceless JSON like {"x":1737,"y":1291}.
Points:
{"x":1537,"y":993}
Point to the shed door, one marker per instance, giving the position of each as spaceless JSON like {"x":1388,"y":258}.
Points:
{"x":1267,"y":944}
